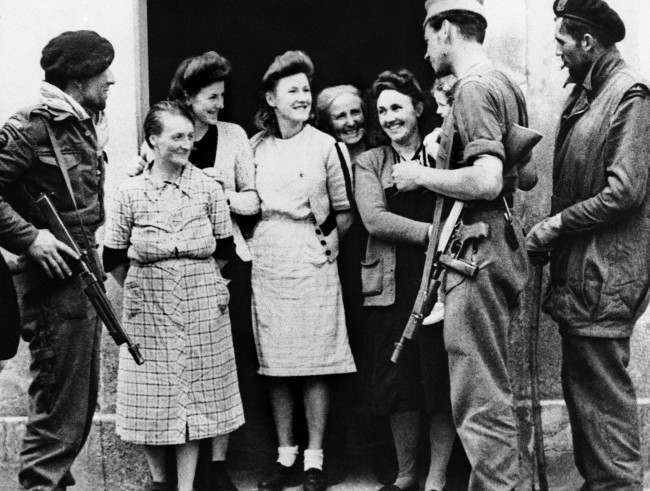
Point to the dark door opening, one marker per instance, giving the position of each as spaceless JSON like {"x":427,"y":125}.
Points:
{"x":350,"y":41}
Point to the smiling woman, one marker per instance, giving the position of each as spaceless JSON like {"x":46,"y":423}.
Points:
{"x":341,"y":112}
{"x":397,"y":224}
{"x":298,"y":316}
{"x":164,"y":230}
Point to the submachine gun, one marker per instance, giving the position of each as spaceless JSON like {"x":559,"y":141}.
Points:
{"x":453,"y":238}
{"x":92,"y":286}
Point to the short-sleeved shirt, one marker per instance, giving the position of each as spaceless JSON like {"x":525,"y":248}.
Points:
{"x":159,"y":220}
{"x":486,"y":103}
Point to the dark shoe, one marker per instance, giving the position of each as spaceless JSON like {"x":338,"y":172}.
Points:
{"x":314,"y":480}
{"x":158,"y":486}
{"x":219,"y":479}
{"x":280,"y":477}
{"x":384,"y":463}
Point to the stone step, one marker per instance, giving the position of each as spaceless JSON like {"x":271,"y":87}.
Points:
{"x":106,"y":463}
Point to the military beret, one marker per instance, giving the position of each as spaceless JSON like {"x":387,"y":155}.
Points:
{"x":595,"y":13}
{"x":76,"y":54}
{"x":437,"y":7}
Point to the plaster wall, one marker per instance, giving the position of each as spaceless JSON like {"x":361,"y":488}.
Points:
{"x":520,"y":37}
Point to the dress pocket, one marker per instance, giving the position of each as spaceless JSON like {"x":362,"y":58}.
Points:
{"x":372,"y":277}
{"x":132,"y":299}
{"x":222,"y":296}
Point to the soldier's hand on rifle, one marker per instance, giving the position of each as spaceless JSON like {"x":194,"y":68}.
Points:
{"x":46,"y":251}
{"x":406,"y":175}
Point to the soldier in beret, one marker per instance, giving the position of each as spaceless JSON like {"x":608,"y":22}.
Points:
{"x":598,"y":236}
{"x":483,"y":174}
{"x":57,"y":147}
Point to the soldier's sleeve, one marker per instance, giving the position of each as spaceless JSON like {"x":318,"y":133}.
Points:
{"x":16,"y":156}
{"x":477,"y":117}
{"x":627,"y":153}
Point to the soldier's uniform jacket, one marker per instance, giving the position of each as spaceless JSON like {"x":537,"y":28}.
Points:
{"x":28,"y":167}
{"x":599,"y":269}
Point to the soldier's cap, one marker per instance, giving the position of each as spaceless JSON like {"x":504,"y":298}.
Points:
{"x":436,"y":7}
{"x":595,"y":13}
{"x":77,"y":55}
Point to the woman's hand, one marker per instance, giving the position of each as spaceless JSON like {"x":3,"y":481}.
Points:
{"x":407,"y":175}
{"x":136,"y":167}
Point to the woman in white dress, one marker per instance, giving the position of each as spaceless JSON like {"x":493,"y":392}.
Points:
{"x":298,"y":316}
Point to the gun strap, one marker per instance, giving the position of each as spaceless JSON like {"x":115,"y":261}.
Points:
{"x":66,"y":178}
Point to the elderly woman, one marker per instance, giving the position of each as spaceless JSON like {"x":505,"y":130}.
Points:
{"x":398,"y":226}
{"x":298,"y":317}
{"x":340,"y":112}
{"x":162,"y":232}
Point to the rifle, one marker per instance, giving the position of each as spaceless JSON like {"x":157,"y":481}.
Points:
{"x":93,"y":288}
{"x":537,"y":260}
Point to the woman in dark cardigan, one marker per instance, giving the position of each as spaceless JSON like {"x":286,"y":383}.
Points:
{"x":398,"y":226}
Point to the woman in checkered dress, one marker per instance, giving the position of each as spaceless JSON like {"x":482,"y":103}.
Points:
{"x":168,"y":222}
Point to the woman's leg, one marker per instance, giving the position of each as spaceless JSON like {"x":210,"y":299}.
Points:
{"x":156,"y":456}
{"x":282,"y":408}
{"x":406,"y":431}
{"x":442,"y":434}
{"x":220,"y":447}
{"x":315,"y":392}
{"x":316,"y":397}
{"x":186,"y":456}
{"x":283,"y":473}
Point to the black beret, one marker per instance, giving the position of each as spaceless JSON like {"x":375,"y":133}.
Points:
{"x":595,"y":13}
{"x":76,"y":54}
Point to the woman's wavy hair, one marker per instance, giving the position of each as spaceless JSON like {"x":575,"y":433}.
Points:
{"x":287,"y":64}
{"x":197,"y":72}
{"x":404,"y":82}
{"x":153,"y":124}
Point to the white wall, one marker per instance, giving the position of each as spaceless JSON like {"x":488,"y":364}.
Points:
{"x":27,"y":25}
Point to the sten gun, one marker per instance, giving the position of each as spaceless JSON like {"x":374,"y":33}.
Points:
{"x":93,"y":288}
{"x":453,"y":239}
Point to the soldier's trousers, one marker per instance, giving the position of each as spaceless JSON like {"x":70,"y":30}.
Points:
{"x":602,"y":409}
{"x":476,"y":326}
{"x":64,"y":340}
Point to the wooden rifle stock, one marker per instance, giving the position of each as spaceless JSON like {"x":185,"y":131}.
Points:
{"x":93,"y":288}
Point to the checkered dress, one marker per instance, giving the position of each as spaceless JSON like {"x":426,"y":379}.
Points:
{"x":176,"y":308}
